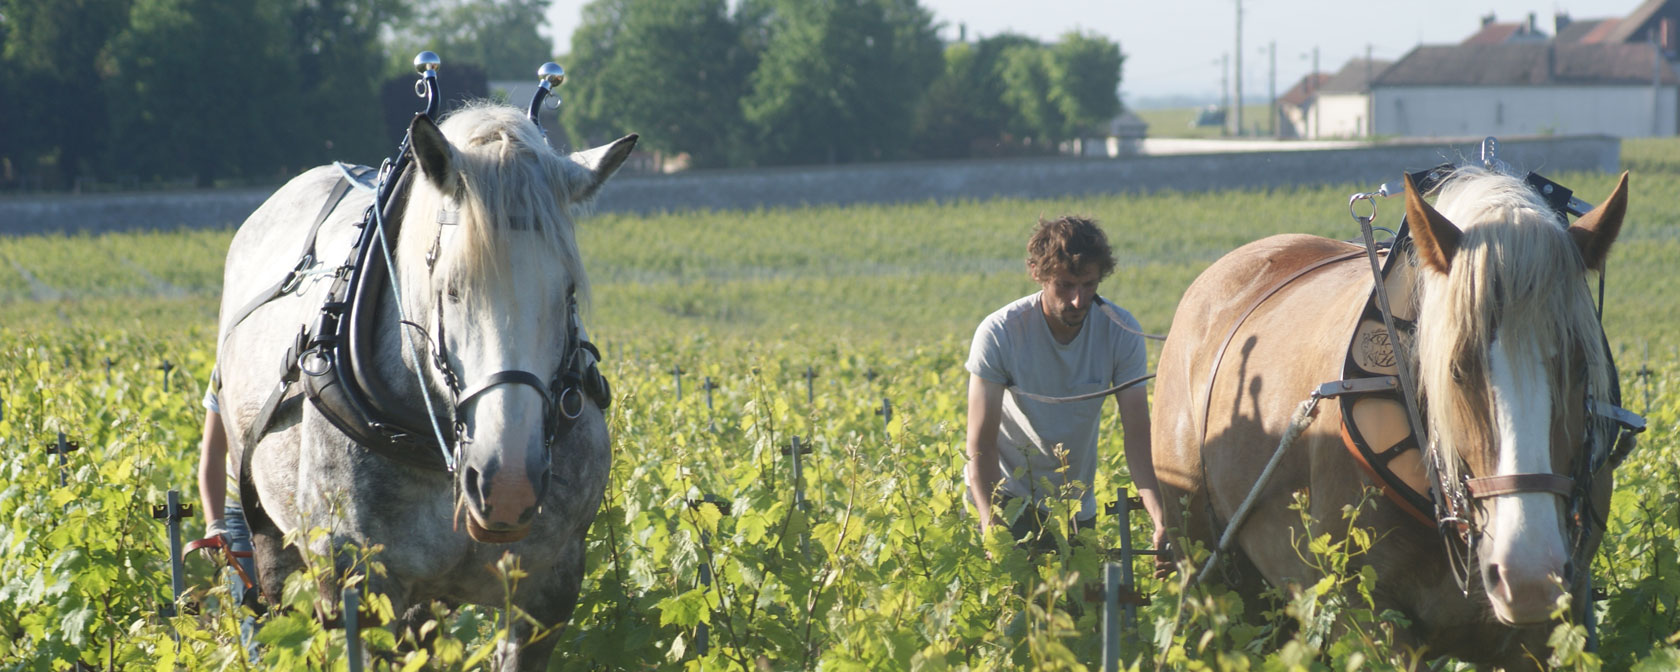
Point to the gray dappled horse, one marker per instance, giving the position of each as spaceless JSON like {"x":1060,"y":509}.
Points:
{"x":490,"y":273}
{"x":1509,"y":354}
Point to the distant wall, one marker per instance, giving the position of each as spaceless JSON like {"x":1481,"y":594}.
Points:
{"x":881,"y":183}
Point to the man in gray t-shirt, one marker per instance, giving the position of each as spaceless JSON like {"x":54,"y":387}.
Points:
{"x":1062,"y":341}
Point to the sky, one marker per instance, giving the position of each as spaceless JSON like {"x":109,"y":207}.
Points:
{"x":1175,"y":47}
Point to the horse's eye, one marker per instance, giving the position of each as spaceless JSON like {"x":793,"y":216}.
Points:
{"x":453,"y":294}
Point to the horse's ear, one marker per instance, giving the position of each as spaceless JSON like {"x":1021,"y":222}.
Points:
{"x":597,"y":165}
{"x":431,"y":151}
{"x":1435,"y":237}
{"x":1596,"y":230}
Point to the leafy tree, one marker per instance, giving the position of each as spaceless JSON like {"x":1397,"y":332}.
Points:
{"x":965,"y":103}
{"x":1026,"y":73}
{"x":673,"y":70}
{"x":1063,"y":90}
{"x":500,"y":36}
{"x":51,"y":103}
{"x":839,"y":79}
{"x":340,"y":62}
{"x":1085,"y":80}
{"x":205,"y":87}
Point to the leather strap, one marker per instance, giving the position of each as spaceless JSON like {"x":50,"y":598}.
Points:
{"x":1213,"y":372}
{"x":1514,"y":484}
{"x":509,"y":377}
{"x":221,"y":543}
{"x":306,"y":259}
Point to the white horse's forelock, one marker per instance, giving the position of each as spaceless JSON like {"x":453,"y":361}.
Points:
{"x":1517,"y":272}
{"x":510,"y":192}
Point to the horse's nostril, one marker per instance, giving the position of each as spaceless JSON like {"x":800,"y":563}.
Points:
{"x":478,"y":490}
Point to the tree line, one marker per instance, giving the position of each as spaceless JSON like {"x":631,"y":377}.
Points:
{"x":150,"y":91}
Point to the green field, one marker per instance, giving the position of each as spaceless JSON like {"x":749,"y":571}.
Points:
{"x":1176,"y":122}
{"x":882,"y":570}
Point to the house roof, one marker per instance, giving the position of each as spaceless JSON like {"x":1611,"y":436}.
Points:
{"x":1586,"y":31}
{"x":1494,"y":33}
{"x":1355,"y":76}
{"x":1526,"y":64}
{"x":1635,"y":20}
{"x":1304,"y":90}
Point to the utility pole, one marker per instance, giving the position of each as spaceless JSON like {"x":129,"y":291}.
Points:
{"x":1316,"y":110}
{"x":1272,"y":124}
{"x":1225,"y":89}
{"x":1370,"y":96}
{"x":1237,"y":76}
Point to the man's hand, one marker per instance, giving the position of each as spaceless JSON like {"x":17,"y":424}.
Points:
{"x":1165,"y":562}
{"x":215,"y":527}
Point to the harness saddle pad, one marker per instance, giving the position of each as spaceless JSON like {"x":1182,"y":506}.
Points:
{"x":1375,"y":428}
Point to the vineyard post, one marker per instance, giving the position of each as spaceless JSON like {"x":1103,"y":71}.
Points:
{"x":171,"y":513}
{"x":676,"y":375}
{"x":793,"y":451}
{"x":810,"y":391}
{"x":1111,"y":616}
{"x":708,"y":386}
{"x":61,"y":448}
{"x":1124,"y":506}
{"x":1644,"y":374}
{"x":167,"y":367}
{"x":885,"y":411}
{"x":352,"y":630}
{"x":702,"y":633}
{"x":2,"y":408}
{"x":107,"y":370}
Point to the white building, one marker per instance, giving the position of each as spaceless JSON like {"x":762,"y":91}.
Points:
{"x":1341,"y":108}
{"x":1528,"y":88}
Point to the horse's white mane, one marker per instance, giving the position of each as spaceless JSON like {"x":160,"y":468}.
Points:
{"x":1516,"y":271}
{"x":510,"y":191}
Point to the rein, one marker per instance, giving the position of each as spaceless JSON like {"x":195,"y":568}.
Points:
{"x":1108,"y":310}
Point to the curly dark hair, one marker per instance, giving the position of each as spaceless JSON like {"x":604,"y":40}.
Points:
{"x":1069,"y":243}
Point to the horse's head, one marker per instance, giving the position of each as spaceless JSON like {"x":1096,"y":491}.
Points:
{"x":1509,"y":352}
{"x":490,"y":269}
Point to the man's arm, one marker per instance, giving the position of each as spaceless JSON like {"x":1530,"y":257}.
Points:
{"x":985,"y":409}
{"x":212,"y":472}
{"x":1140,"y":458}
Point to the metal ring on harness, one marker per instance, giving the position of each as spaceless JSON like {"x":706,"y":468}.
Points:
{"x":570,"y":402}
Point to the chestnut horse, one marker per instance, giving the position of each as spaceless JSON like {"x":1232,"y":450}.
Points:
{"x":1508,"y":348}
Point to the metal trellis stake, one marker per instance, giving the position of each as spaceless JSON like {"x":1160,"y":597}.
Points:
{"x":702,"y":633}
{"x":708,"y":386}
{"x":171,"y":513}
{"x":885,"y":412}
{"x":1111,"y":616}
{"x":352,"y":630}
{"x":107,"y":370}
{"x":794,"y":450}
{"x":676,"y":375}
{"x":167,"y":367}
{"x":61,"y":448}
{"x":810,"y":392}
{"x":1122,"y":587}
{"x":1644,"y":374}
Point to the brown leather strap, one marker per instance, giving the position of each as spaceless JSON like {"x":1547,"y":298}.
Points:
{"x":1512,"y":484}
{"x":1213,"y":373}
{"x":220,"y":541}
